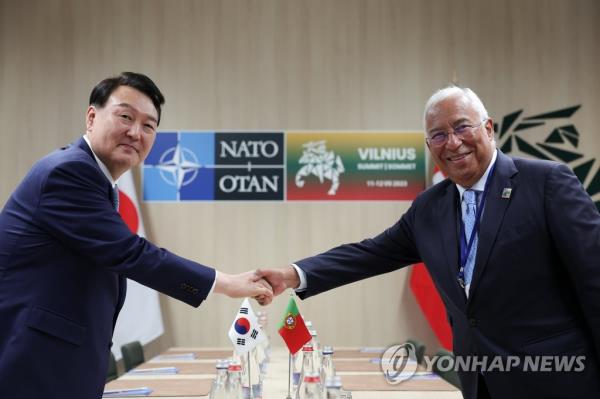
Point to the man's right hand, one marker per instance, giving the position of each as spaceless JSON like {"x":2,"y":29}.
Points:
{"x":280,"y":279}
{"x":247,"y":284}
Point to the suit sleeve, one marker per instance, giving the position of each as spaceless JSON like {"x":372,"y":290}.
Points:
{"x":345,"y":264}
{"x":574,"y":224}
{"x":74,"y":208}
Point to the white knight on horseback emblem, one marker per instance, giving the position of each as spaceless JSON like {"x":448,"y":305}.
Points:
{"x":321,"y":163}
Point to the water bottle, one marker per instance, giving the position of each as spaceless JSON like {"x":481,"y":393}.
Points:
{"x":263,"y":321}
{"x":218,"y":389}
{"x":260,"y":354}
{"x":334,"y":389}
{"x":234,"y":383}
{"x":296,"y":371}
{"x":316,"y":349}
{"x":311,"y":387}
{"x":251,"y":376}
{"x":327,"y":369}
{"x":307,"y":367}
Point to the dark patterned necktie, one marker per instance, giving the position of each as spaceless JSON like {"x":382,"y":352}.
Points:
{"x":115,"y":197}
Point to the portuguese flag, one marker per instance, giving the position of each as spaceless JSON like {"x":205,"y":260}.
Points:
{"x":292,"y":328}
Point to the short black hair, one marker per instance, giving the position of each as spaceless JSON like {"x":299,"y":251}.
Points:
{"x":102,"y":91}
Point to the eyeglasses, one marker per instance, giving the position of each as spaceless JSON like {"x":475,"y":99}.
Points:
{"x":462,"y":132}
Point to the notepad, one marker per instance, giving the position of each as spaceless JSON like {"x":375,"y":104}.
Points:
{"x":425,"y":376}
{"x":155,"y":370}
{"x":378,"y":360}
{"x":177,"y":356}
{"x":115,"y":393}
{"x":372,"y":350}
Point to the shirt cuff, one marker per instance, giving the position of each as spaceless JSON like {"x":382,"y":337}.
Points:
{"x":302,"y":276}
{"x":214,"y":283}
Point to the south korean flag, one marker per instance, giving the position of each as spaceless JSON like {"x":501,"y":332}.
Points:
{"x":245,"y":333}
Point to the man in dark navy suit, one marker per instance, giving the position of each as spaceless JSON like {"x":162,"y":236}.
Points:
{"x":65,"y":253}
{"x":513,"y":247}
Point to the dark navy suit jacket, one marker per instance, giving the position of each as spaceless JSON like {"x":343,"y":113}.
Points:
{"x":64,"y":256}
{"x":536,"y":283}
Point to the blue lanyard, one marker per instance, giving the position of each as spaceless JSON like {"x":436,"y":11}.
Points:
{"x":465,"y":247}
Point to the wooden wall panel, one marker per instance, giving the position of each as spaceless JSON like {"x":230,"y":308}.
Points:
{"x":289,"y":64}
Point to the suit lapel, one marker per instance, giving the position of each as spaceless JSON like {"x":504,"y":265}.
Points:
{"x":83,"y":145}
{"x":493,"y":215}
{"x":448,"y":217}
{"x":122,"y":281}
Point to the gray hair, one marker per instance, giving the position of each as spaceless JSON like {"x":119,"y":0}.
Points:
{"x":455,"y":91}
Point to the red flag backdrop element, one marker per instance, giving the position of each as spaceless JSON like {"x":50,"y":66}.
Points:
{"x":140,"y":319}
{"x":427,"y":296}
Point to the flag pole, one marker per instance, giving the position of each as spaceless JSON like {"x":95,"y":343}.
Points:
{"x":249,"y":379}
{"x":289,"y":396}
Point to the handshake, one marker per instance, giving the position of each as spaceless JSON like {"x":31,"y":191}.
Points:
{"x":260,"y":284}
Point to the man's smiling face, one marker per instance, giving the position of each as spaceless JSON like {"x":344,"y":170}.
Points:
{"x":122,"y":132}
{"x":463,"y":160}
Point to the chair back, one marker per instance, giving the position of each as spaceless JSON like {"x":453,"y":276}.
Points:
{"x":451,"y":375}
{"x":133,"y":355}
{"x":419,"y":349}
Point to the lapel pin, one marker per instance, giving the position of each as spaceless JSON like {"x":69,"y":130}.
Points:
{"x":506,"y":192}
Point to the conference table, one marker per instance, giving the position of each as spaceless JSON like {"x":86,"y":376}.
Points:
{"x":195,"y":366}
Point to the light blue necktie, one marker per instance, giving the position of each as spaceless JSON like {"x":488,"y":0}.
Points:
{"x":469,"y":212}
{"x":115,"y":197}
